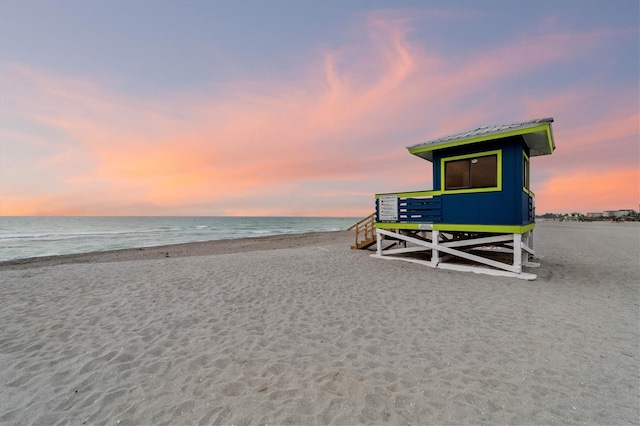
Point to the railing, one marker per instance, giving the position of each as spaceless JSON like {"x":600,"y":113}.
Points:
{"x":365,"y":232}
{"x":531,"y":208}
{"x":421,"y":209}
{"x":417,"y":206}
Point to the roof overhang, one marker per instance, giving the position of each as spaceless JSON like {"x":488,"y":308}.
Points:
{"x":537,"y":135}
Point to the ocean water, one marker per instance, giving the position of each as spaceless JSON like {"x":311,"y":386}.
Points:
{"x":22,"y":237}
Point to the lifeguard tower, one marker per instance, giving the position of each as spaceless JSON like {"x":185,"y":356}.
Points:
{"x":480,"y":215}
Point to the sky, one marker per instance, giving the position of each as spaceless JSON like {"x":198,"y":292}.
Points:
{"x":304,"y":108}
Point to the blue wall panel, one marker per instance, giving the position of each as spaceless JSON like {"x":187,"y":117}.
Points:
{"x":510,"y":206}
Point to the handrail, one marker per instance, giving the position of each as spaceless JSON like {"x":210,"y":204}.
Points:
{"x":365,"y":232}
{"x":355,"y":225}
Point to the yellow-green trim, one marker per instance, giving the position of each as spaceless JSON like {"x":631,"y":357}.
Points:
{"x":396,"y":225}
{"x":549,"y":138}
{"x":541,"y":128}
{"x":526,"y":172}
{"x":510,"y":229}
{"x":410,"y":194}
{"x":504,"y":229}
{"x":497,"y":152}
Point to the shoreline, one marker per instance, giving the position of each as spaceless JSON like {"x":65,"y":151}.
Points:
{"x":228,"y":246}
{"x":198,"y":248}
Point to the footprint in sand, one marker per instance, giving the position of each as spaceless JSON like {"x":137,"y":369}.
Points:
{"x":233,"y":389}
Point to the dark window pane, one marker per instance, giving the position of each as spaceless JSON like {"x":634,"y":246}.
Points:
{"x":456,"y":174}
{"x":484,"y":172}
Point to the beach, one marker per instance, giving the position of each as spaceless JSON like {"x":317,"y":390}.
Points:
{"x":300,"y":329}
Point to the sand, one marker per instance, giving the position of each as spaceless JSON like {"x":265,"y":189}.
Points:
{"x":303,"y":330}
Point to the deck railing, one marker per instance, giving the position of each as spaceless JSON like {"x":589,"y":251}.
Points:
{"x":417,"y":206}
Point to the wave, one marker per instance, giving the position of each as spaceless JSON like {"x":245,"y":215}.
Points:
{"x":67,"y":235}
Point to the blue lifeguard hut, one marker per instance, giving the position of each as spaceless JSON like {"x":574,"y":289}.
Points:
{"x":480,"y":213}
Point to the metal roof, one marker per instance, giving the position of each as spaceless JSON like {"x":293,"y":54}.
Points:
{"x":536,"y":133}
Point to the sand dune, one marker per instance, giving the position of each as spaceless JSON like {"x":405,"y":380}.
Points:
{"x":312,"y":332}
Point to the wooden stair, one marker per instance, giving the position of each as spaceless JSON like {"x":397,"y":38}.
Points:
{"x":365,"y":232}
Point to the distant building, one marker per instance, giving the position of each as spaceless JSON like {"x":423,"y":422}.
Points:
{"x":573,"y":217}
{"x":594,"y":215}
{"x":618,"y":213}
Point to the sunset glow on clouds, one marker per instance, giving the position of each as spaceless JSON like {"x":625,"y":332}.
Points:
{"x":323,"y":137}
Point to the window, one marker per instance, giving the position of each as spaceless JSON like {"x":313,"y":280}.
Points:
{"x":471,"y":172}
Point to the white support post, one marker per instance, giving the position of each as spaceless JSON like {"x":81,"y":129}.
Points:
{"x":435,"y":253}
{"x":378,"y":242}
{"x":517,"y":252}
{"x":525,"y":245}
{"x":528,"y":251}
